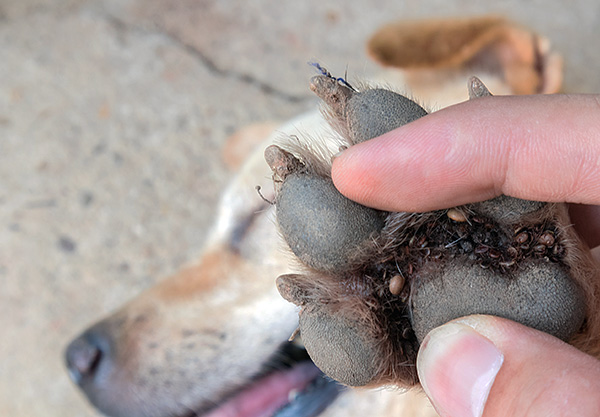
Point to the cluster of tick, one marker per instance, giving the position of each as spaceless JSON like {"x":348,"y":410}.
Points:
{"x":484,"y":242}
{"x":475,"y":239}
{"x":478,"y":239}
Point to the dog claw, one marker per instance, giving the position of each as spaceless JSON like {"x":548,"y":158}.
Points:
{"x":294,"y":334}
{"x":477,"y":88}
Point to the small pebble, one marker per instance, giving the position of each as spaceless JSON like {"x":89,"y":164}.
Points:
{"x":67,"y":244}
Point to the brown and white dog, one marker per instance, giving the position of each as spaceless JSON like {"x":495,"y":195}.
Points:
{"x":212,"y":340}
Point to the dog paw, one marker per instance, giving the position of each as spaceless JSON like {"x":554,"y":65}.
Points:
{"x":375,"y":283}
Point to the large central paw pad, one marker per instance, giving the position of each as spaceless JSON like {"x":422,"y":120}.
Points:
{"x":375,"y":283}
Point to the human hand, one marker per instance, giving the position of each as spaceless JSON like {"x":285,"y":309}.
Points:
{"x":544,"y":148}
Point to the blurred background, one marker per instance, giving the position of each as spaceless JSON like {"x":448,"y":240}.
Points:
{"x":112,"y":119}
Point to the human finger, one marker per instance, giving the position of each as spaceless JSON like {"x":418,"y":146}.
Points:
{"x":544,"y":148}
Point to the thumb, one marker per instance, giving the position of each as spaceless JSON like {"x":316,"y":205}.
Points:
{"x":488,"y":366}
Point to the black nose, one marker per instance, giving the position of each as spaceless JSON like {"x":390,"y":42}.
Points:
{"x":86,"y":354}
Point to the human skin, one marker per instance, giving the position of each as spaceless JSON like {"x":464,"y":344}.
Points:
{"x":544,"y":148}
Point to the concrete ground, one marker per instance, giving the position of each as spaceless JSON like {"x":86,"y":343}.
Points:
{"x":112,"y":119}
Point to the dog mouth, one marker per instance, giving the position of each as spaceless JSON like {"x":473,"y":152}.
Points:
{"x":289,"y":385}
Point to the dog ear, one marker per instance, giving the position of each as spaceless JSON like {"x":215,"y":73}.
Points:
{"x":521,"y":58}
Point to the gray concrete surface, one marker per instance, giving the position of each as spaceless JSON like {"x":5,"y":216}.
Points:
{"x":112,"y":118}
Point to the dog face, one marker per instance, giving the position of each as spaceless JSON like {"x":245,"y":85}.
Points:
{"x":212,"y":340}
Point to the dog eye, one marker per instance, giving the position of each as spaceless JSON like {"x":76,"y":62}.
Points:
{"x":243,"y":226}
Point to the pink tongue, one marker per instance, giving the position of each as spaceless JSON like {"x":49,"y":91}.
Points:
{"x":268,"y":394}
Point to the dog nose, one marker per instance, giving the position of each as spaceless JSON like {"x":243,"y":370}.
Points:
{"x":85,"y":354}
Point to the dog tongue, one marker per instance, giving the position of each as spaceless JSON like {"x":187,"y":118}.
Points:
{"x":264,"y":397}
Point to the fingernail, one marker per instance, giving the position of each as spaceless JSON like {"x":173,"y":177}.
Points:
{"x":457,"y":367}
{"x":340,"y":151}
